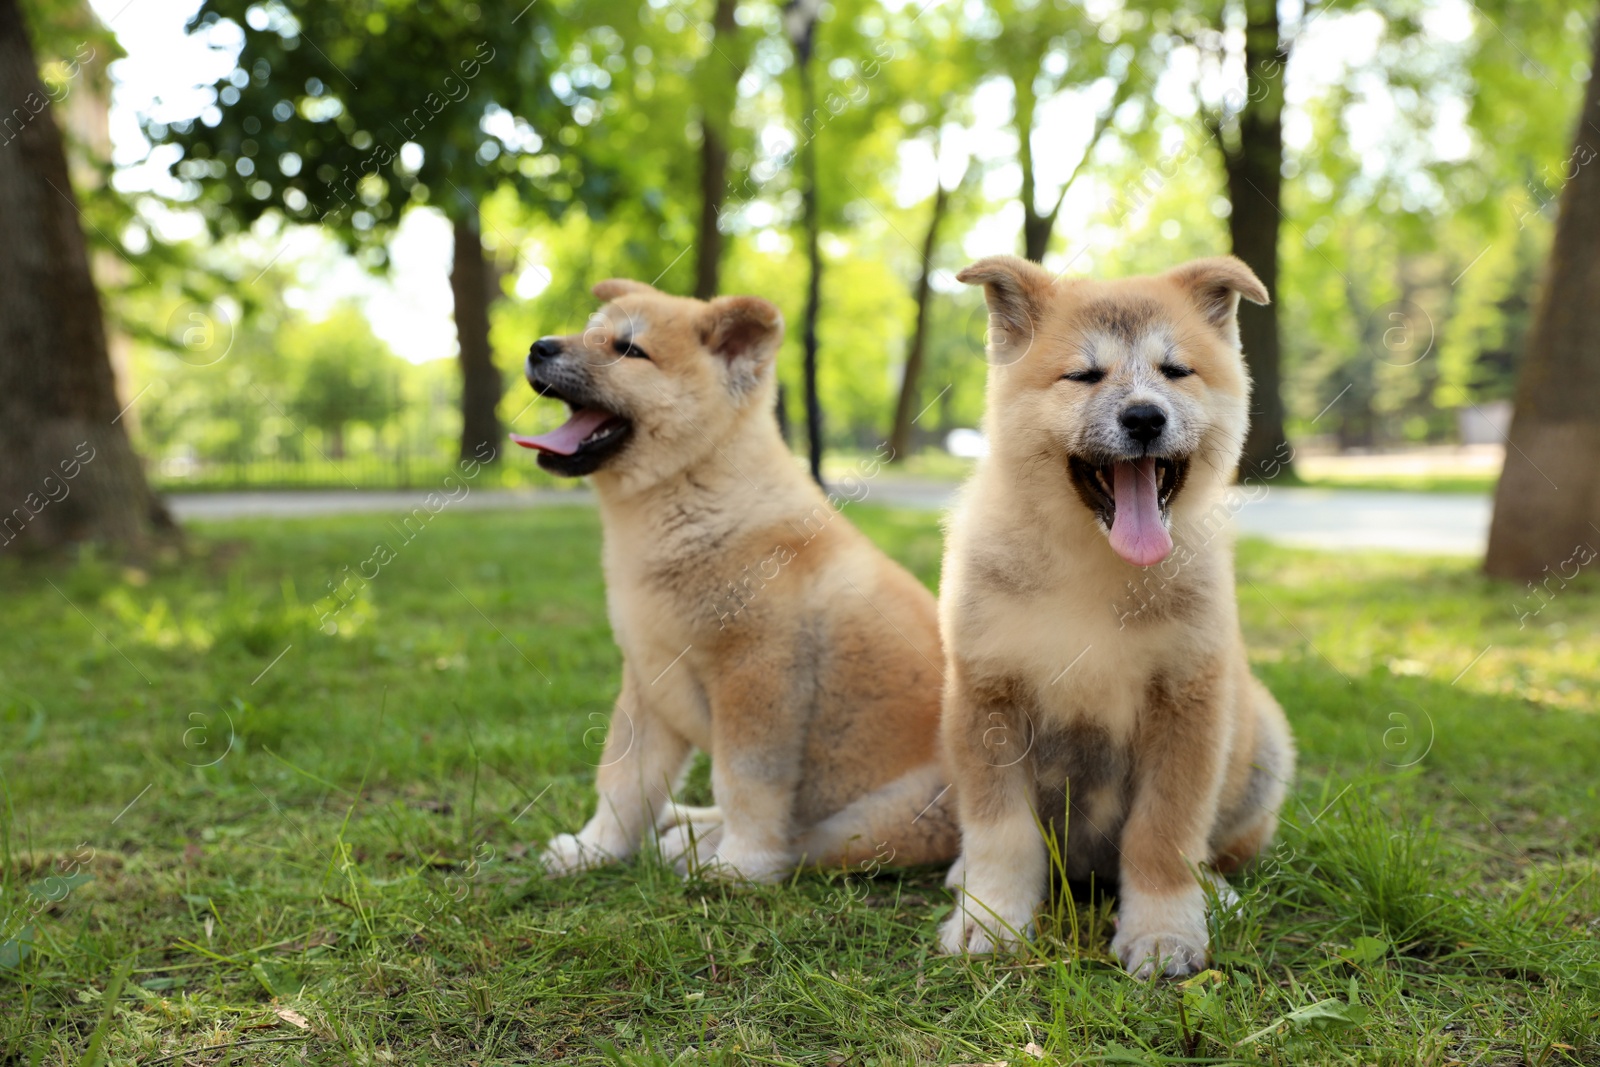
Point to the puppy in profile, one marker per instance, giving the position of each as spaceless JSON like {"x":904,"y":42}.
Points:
{"x":1116,"y":411}
{"x":755,"y":622}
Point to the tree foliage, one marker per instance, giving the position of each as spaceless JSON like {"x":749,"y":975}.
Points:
{"x":1420,"y":170}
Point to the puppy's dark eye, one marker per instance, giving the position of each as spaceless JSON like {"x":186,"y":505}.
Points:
{"x":629,"y":349}
{"x":1174,"y":372}
{"x":1087,"y":377}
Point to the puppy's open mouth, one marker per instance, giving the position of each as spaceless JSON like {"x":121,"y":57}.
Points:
{"x":1132,"y":498}
{"x":589,"y":437}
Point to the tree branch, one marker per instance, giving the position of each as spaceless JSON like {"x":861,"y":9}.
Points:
{"x":1101,"y":123}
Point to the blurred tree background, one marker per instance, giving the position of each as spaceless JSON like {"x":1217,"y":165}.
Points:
{"x":1396,"y":166}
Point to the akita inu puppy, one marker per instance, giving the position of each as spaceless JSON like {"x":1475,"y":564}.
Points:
{"x":1116,"y":412}
{"x":755,"y":622}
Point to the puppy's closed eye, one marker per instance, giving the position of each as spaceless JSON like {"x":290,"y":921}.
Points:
{"x":1088,"y":377}
{"x":629,"y":349}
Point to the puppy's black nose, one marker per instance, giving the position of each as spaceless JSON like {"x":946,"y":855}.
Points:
{"x":544,"y":348}
{"x":1144,"y":422}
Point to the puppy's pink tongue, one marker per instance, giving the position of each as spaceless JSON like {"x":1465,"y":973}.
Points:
{"x":1137,"y":534}
{"x":565,"y":439}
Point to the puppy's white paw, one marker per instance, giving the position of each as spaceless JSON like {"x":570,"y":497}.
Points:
{"x":569,"y":853}
{"x":1172,"y":954}
{"x":734,"y":861}
{"x":1157,"y":935}
{"x":978,"y":930}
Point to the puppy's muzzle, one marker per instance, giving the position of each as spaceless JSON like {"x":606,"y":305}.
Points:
{"x":543,"y":351}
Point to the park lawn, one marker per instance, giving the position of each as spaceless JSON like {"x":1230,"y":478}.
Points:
{"x":230,"y":838}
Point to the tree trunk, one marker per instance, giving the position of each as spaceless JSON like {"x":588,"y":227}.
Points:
{"x":713,"y":187}
{"x":68,"y":472}
{"x":900,"y":435}
{"x":1035,"y":227}
{"x":813,"y":227}
{"x":480,"y":381}
{"x":1547,"y":506}
{"x":716,"y":114}
{"x":1255,"y":179}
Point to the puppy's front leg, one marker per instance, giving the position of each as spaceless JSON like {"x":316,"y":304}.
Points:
{"x":1003,"y":859}
{"x":1178,"y":764}
{"x":757,"y":752}
{"x":642,"y":759}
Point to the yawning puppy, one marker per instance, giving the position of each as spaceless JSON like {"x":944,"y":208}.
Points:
{"x":755,"y":622}
{"x":1116,"y":412}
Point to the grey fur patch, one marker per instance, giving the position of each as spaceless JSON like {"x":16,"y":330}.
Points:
{"x":1082,"y":761}
{"x":999,"y":573}
{"x":1126,"y":321}
{"x":1269,"y":771}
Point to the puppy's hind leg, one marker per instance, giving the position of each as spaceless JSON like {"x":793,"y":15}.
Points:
{"x":909,"y":821}
{"x":676,"y":814}
{"x":687,"y":836}
{"x":1248,"y":826}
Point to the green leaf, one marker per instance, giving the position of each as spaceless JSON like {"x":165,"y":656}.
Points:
{"x":264,"y":976}
{"x":1330,"y":1014}
{"x":57,"y":887}
{"x":16,"y":949}
{"x":1367,"y":950}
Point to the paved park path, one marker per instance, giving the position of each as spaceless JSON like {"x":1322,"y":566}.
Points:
{"x":1444,"y":523}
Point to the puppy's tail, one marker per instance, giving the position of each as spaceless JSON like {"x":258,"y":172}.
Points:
{"x":909,"y":821}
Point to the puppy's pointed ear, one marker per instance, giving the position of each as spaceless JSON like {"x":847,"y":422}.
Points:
{"x":1215,"y":285}
{"x":745,"y":331}
{"x":1014,"y":289}
{"x":612,"y":288}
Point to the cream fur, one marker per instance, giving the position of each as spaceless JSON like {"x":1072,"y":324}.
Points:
{"x":1174,"y":752}
{"x":755,"y":622}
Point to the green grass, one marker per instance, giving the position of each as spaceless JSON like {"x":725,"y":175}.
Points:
{"x":353,"y":879}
